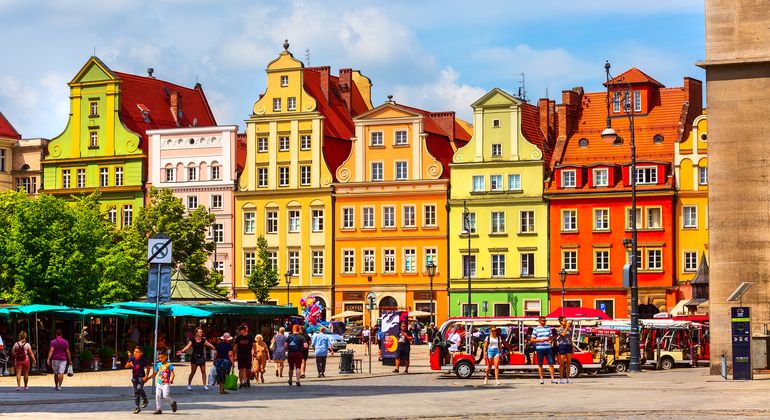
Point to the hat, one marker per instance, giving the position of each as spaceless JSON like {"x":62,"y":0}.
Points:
{"x":226,"y":337}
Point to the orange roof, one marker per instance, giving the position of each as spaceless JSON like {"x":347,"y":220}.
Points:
{"x":633,"y":76}
{"x":530,"y":127}
{"x":6,"y":129}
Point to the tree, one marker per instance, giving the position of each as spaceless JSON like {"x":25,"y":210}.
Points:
{"x":263,"y":277}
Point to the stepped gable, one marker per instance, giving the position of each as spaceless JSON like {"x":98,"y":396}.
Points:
{"x":7,"y":130}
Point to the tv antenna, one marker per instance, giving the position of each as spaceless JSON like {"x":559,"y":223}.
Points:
{"x":307,"y":56}
{"x":523,"y":88}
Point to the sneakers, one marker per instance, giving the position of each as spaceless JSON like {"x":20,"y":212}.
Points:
{"x":137,"y":410}
{"x":542,"y":382}
{"x":144,"y":403}
{"x":157,"y":412}
{"x":561,"y":381}
{"x":497,"y":383}
{"x":18,"y":388}
{"x":553,"y":381}
{"x":189,"y":387}
{"x":290,"y":381}
{"x":173,"y":406}
{"x":205,"y":387}
{"x":298,"y":383}
{"x":395,"y":370}
{"x":568,"y":381}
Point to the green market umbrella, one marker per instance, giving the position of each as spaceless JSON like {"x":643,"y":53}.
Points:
{"x":34,"y":309}
{"x":164,"y":309}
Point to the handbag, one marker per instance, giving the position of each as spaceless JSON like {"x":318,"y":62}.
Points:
{"x":70,"y":372}
{"x":231,"y":382}
{"x":212,"y":376}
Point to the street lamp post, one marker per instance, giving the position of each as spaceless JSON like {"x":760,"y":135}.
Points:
{"x":288,"y":285}
{"x":610,"y":134}
{"x":563,"y":280}
{"x":467,"y":231}
{"x":430,"y":268}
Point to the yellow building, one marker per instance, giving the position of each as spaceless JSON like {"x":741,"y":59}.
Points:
{"x":297,"y":136}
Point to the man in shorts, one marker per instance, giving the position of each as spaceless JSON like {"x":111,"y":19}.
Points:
{"x":58,"y":358}
{"x":541,"y":338}
{"x":244,"y":348}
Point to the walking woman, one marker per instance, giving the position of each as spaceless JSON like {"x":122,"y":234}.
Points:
{"x":278,"y":345}
{"x":198,"y":360}
{"x":22,"y":354}
{"x":305,"y":351}
{"x":224,"y":360}
{"x":261,"y":353}
{"x":564,"y":339}
{"x":494,"y":345}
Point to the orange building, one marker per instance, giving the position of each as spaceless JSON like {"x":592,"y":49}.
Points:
{"x":390,"y":212}
{"x":590,"y":194}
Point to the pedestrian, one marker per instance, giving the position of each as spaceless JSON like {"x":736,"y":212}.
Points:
{"x":164,"y":371}
{"x":528,"y":347}
{"x":135,"y":335}
{"x":305,"y":352}
{"x":295,"y":343}
{"x":244,"y":351}
{"x":59,"y":357}
{"x":278,"y":346}
{"x":22,"y":354}
{"x":431,"y":332}
{"x":366,"y":338}
{"x":198,"y":343}
{"x":541,"y":337}
{"x":564,"y":339}
{"x":403,"y":350}
{"x":493,"y":346}
{"x":261,"y":354}
{"x":140,"y":368}
{"x":323,"y":346}
{"x":223,"y":360}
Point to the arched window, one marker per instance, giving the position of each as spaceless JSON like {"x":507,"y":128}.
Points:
{"x":388,"y":303}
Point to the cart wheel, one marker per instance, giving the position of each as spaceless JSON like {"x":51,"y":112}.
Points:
{"x":667,"y":363}
{"x":574,"y":369}
{"x":464,"y":369}
{"x":621,"y":367}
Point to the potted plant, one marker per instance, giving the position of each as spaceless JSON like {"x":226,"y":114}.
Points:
{"x":86,"y":358}
{"x":105,"y":356}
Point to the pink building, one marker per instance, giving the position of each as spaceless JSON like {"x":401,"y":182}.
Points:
{"x":199,"y":165}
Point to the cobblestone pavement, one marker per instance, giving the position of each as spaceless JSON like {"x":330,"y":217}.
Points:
{"x":679,"y":393}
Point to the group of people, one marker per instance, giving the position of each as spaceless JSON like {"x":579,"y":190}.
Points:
{"x":59,"y":359}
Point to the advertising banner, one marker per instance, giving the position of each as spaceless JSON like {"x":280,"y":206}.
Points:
{"x":390,"y":324}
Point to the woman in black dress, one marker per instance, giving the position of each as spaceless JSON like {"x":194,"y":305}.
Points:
{"x":198,"y":359}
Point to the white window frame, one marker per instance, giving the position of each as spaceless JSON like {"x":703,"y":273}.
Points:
{"x":192,"y":202}
{"x":213,"y":201}
{"x":389,"y":264}
{"x":294,"y":220}
{"x":605,"y":225}
{"x":249,"y":222}
{"x":495,"y":183}
{"x":602,"y":265}
{"x":377,"y":173}
{"x":478,"y":183}
{"x":703,"y":175}
{"x":498,"y":265}
{"x":473,"y":228}
{"x":128,"y":214}
{"x":468,"y":263}
{"x":514,"y":182}
{"x":648,"y":213}
{"x":637,"y":101}
{"x":291,"y":103}
{"x":690,"y":221}
{"x":263,"y":144}
{"x":216,"y":172}
{"x":294,"y":262}
{"x":410,"y":254}
{"x":104,"y":177}
{"x":398,"y":165}
{"x":389,"y":222}
{"x":249,"y":262}
{"x":283,"y":176}
{"x":495,"y":123}
{"x":80,"y":177}
{"x":66,"y":178}
{"x":405,"y":218}
{"x":262,"y":177}
{"x":218,"y":232}
{"x":497,"y":150}
{"x":646,"y":175}
{"x":367,"y":217}
{"x":497,"y":222}
{"x":376,"y":139}
{"x":169,"y":174}
{"x":400,"y":137}
{"x":570,"y":264}
{"x":318,"y":220}
{"x":368,"y":261}
{"x":276,"y":104}
{"x":305,"y":175}
{"x":305,"y":142}
{"x":616,"y":100}
{"x":284,"y":143}
{"x":112,"y":215}
{"x":348,"y":261}
{"x":527,"y":221}
{"x":192,"y":173}
{"x":639,"y":218}
{"x":348,"y":219}
{"x":118,"y":176}
{"x":569,"y":224}
{"x":572,"y":178}
{"x":429,"y":215}
{"x":284,"y":80}
{"x":689,"y":256}
{"x":271,"y":221}
{"x":93,"y":109}
{"x":317,"y":263}
{"x":93,"y":138}
{"x":651,"y":260}
{"x":527,"y":268}
{"x":605,"y":178}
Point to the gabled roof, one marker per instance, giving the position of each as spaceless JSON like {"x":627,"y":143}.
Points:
{"x":7,"y":130}
{"x":633,"y":76}
{"x":495,"y":91}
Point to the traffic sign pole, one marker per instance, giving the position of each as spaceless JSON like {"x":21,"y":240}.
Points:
{"x":158,"y":253}
{"x":157,"y":313}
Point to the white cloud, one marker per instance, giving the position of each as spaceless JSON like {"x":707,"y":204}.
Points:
{"x":445,"y":93}
{"x":37,"y":106}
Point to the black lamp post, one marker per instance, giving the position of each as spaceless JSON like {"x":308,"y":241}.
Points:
{"x":609,"y":134}
{"x":467,"y":231}
{"x":288,"y":285}
{"x":563,"y":280}
{"x":430,"y":268}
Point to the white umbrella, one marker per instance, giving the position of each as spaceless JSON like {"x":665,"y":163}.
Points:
{"x":415,"y":314}
{"x":347,"y":314}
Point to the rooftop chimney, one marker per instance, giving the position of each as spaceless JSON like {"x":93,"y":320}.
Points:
{"x":150,"y":71}
{"x":175,"y":101}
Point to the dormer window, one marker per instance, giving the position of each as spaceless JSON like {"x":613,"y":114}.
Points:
{"x":637,"y":101}
{"x":276,"y":104}
{"x":568,"y":178}
{"x":600,"y":177}
{"x":583,"y":142}
{"x":616,"y":102}
{"x":648,"y":175}
{"x":284,"y":81}
{"x":657,"y":139}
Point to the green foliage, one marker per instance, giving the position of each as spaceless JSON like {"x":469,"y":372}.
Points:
{"x":106,"y":353}
{"x":263,"y":277}
{"x":85,"y":356}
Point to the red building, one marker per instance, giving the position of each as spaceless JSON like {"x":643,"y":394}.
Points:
{"x":589,"y":194}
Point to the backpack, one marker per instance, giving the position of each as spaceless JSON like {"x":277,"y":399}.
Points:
{"x":20,"y":352}
{"x":294,"y":345}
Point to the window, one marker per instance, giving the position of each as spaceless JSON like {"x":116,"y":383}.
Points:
{"x":496,"y":182}
{"x":690,"y":217}
{"x":497,"y":150}
{"x":375,"y":138}
{"x":128,"y":214}
{"x":94,"y":109}
{"x":272,"y":259}
{"x":170,"y":174}
{"x":469,"y":266}
{"x":216,"y":172}
{"x":348,"y":218}
{"x":376,"y":171}
{"x":294,"y":263}
{"x":249,"y":222}
{"x":28,"y":184}
{"x":104,"y":177}
{"x":527,"y":221}
{"x":401,"y":170}
{"x":583,"y":142}
{"x":514,"y":182}
{"x":654,"y":218}
{"x":498,"y":265}
{"x":602,"y":260}
{"x":192,"y":202}
{"x":262,"y":144}
{"x":601,"y":178}
{"x":637,"y":101}
{"x":568,"y":178}
{"x":431,"y":255}
{"x":532,"y":308}
{"x":283,"y":143}
{"x":657,"y":139}
{"x":410,"y":260}
{"x":367,"y":214}
{"x":569,"y":260}
{"x":348,"y":261}
{"x":284,"y":81}
{"x":647,"y":175}
{"x":294,"y":221}
{"x":93,"y":139}
{"x":654,"y":259}
{"x":389,"y":263}
{"x":703,"y":175}
{"x":65,"y":178}
{"x":304,"y":175}
{"x":192,"y":173}
{"x":218,"y":232}
{"x":496,"y":123}
{"x":607,"y":306}
{"x":629,"y":224}
{"x":429,"y":215}
{"x":2,"y":161}
{"x":388,"y":217}
{"x":369,"y":261}
{"x":304,"y":142}
{"x":527,"y":264}
{"x":249,"y":261}
{"x":601,"y":219}
{"x":569,"y":220}
{"x":401,"y":137}
{"x":470,"y":222}
{"x":318,"y":263}
{"x":627,"y":101}
{"x":638,"y":257}
{"x":291,"y":103}
{"x":81,"y":178}
{"x":216,"y":201}
{"x":219,"y":267}
{"x":690,"y":261}
{"x":262,"y":177}
{"x":498,"y":222}
{"x":478,"y":183}
{"x":473,"y":310}
{"x":616,"y":102}
{"x":112,"y":215}
{"x":283,"y":176}
{"x":271,"y":221}
{"x":276,"y":104}
{"x":409,"y":216}
{"x":318,"y":220}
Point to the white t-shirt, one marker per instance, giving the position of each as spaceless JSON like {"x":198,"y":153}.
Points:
{"x":455,"y":340}
{"x":365,"y":332}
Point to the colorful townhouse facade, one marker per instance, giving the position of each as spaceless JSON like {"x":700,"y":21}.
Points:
{"x":590,"y":200}
{"x":9,"y":139}
{"x":27,"y":164}
{"x":502,"y":244}
{"x":299,"y":132}
{"x":390,"y":210}
{"x":200,"y":166}
{"x":104,"y":145}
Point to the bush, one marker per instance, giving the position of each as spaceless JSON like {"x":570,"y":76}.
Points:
{"x":105,"y":354}
{"x":85,"y":356}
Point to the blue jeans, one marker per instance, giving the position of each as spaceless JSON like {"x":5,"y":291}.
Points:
{"x":139,"y":394}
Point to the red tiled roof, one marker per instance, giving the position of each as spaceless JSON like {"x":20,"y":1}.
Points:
{"x":530,"y":127}
{"x":358,"y":105}
{"x":633,"y":76}
{"x":240,"y":152}
{"x":141,"y":92}
{"x":6,"y":128}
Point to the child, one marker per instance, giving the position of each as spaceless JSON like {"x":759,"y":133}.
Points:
{"x":140,"y":368}
{"x":164,"y":381}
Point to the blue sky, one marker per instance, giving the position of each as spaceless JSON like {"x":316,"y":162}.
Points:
{"x":439,"y":55}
